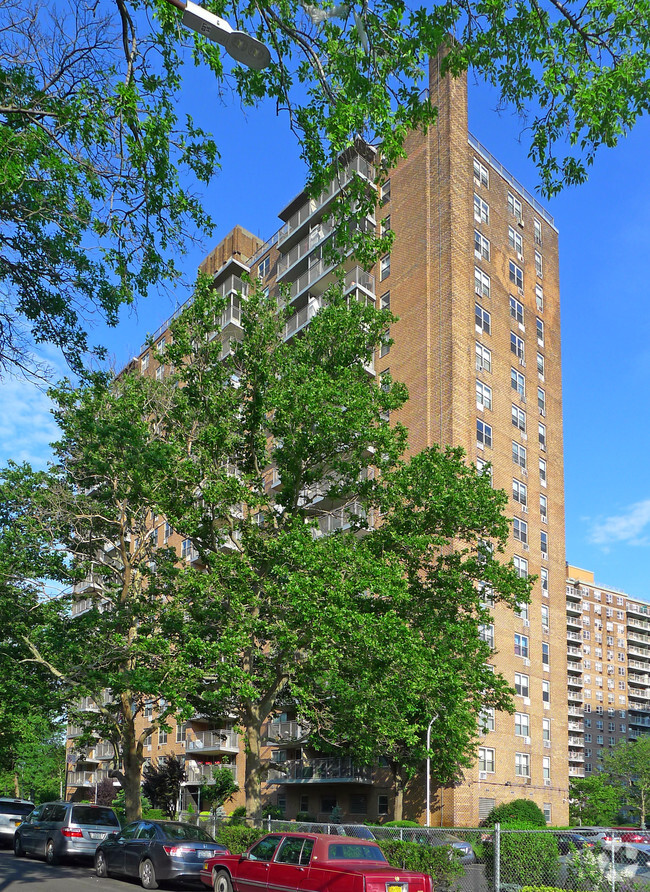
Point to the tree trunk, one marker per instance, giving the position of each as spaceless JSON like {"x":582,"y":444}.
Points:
{"x":398,"y":808}
{"x":253,"y":785}
{"x":16,"y":785}
{"x":131,"y":778}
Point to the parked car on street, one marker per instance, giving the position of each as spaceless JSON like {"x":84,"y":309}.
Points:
{"x":58,"y":829}
{"x":570,"y":840}
{"x":607,"y":838}
{"x":12,"y":813}
{"x":312,"y":863}
{"x":156,"y":851}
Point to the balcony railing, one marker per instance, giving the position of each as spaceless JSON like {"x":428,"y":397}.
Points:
{"x":576,"y":756}
{"x":202,"y":773}
{"x":217,"y":740}
{"x":321,"y":771}
{"x":81,"y":778}
{"x":305,"y":246}
{"x":285,"y":732}
{"x":302,"y":317}
{"x":576,"y":772}
{"x":341,"y":519}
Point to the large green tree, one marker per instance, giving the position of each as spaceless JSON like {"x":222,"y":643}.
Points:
{"x":99,"y":160}
{"x":594,"y":800}
{"x":627,"y":768}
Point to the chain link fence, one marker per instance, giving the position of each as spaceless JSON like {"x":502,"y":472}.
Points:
{"x":588,"y":859}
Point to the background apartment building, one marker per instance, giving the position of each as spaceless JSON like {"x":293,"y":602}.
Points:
{"x":473,"y":277}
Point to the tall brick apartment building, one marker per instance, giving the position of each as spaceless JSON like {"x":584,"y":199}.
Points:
{"x":473,"y":277}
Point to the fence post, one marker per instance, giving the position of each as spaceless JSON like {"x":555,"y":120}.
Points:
{"x":497,"y":857}
{"x":613,"y":866}
{"x":401,"y":834}
{"x":268,"y":823}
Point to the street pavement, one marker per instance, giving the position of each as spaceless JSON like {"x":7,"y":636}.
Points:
{"x":31,"y":874}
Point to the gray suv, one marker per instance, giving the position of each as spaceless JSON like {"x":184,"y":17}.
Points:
{"x":12,"y":813}
{"x":58,"y":829}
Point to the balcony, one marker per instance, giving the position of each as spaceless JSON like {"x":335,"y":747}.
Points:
{"x":302,"y":317}
{"x":576,"y":726}
{"x":573,"y":621}
{"x":321,"y":771}
{"x":639,"y":652}
{"x":638,"y":609}
{"x":573,"y":609}
{"x":574,"y":653}
{"x":576,"y":711}
{"x":342,"y":519}
{"x":573,"y":593}
{"x":278,"y":733}
{"x":576,"y":756}
{"x":575,"y":696}
{"x":576,"y":772}
{"x":216,"y":741}
{"x":576,"y":741}
{"x":575,"y":682}
{"x":104,"y":751}
{"x":200,"y":773}
{"x":638,"y":636}
{"x":640,"y":680}
{"x":315,"y":236}
{"x":81,"y":778}
{"x":573,"y":636}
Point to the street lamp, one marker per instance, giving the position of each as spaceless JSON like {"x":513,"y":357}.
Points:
{"x":429,"y":771}
{"x":241,"y":46}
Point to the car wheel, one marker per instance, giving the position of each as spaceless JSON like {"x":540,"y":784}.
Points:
{"x":148,"y":874}
{"x":19,"y":851}
{"x":50,"y":854}
{"x":101,"y":867}
{"x":221,"y":881}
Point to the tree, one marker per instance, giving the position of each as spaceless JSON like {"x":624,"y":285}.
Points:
{"x":109,"y":648}
{"x":162,"y":784}
{"x":275,"y":447}
{"x":96,"y":201}
{"x":222,"y":788}
{"x":627,"y":768}
{"x":35,"y":765}
{"x":593,"y":801}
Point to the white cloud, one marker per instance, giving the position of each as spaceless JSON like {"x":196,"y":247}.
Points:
{"x":26,"y":425}
{"x":631,"y":526}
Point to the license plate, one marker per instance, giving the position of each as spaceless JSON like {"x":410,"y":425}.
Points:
{"x":97,"y":835}
{"x":396,"y":887}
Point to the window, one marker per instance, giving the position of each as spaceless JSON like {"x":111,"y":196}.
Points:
{"x":538,"y":231}
{"x":484,"y":469}
{"x":542,"y":472}
{"x":543,"y":543}
{"x":481,"y":283}
{"x":522,"y":724}
{"x":547,"y":812}
{"x":519,"y":418}
{"x":522,"y":612}
{"x":481,"y":246}
{"x":384,"y":193}
{"x":486,"y":759}
{"x":542,"y":436}
{"x":522,"y":684}
{"x":481,"y":176}
{"x":483,"y":358}
{"x":180,"y":732}
{"x":520,"y":492}
{"x":382,"y":804}
{"x":546,"y":767}
{"x":168,"y":531}
{"x":521,"y":645}
{"x":514,"y":240}
{"x":486,"y":720}
{"x":384,"y":346}
{"x":517,"y":346}
{"x":545,"y":618}
{"x":543,"y":508}
{"x":540,"y":332}
{"x":521,"y":566}
{"x":519,"y":454}
{"x":545,"y":654}
{"x":384,"y":267}
{"x":186,"y":549}
{"x":516,"y":274}
{"x":160,"y":373}
{"x":540,"y":364}
{"x":546,"y":691}
{"x":522,"y":765}
{"x":539,"y":298}
{"x":514,"y":207}
{"x":486,"y":633}
{"x":481,"y":319}
{"x":384,"y":301}
{"x":483,"y":434}
{"x":162,"y":737}
{"x":483,"y":395}
{"x":481,"y":210}
{"x":144,"y":362}
{"x":516,"y":310}
{"x":520,"y":530}
{"x":518,"y":382}
{"x":384,"y":225}
{"x":539,"y":265}
{"x":541,"y":400}
{"x":160,"y":346}
{"x":264,"y":268}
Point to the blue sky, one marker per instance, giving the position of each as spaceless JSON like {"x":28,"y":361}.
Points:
{"x":604,"y":230}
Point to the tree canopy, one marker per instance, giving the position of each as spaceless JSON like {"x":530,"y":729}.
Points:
{"x":627,"y":768}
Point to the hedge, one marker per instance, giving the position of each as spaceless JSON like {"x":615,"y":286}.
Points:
{"x":238,"y":837}
{"x":441,"y":863}
{"x":527,"y":859}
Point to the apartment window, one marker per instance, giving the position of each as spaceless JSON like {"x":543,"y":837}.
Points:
{"x":264,"y":268}
{"x":481,"y":175}
{"x":522,"y":724}
{"x":162,"y":737}
{"x":522,"y":765}
{"x":486,"y":633}
{"x":144,"y":362}
{"x":487,"y":720}
{"x":522,"y":612}
{"x":516,"y":274}
{"x":384,"y":346}
{"x":481,"y":246}
{"x":481,"y":210}
{"x":543,"y":543}
{"x":483,"y":358}
{"x":486,"y":759}
{"x":481,"y":319}
{"x":538,"y":231}
{"x":546,"y":767}
{"x":516,"y":310}
{"x":622,"y":729}
{"x":481,"y":282}
{"x":540,"y":364}
{"x":543,"y":508}
{"x":514,"y":207}
{"x":520,"y":492}
{"x":160,"y":346}
{"x":521,"y":566}
{"x":484,"y":469}
{"x":186,"y":549}
{"x":520,"y":530}
{"x":539,"y":298}
{"x":539,"y":265}
{"x":160,"y":373}
{"x":384,"y":301}
{"x":519,"y":418}
{"x":382,"y":804}
{"x":540,"y":332}
{"x":600,"y":739}
{"x":517,"y":346}
{"x":514,"y":240}
{"x":522,"y":684}
{"x":546,"y":691}
{"x":541,"y":400}
{"x":483,"y":395}
{"x":519,"y":454}
{"x":545,"y":654}
{"x":181,"y":730}
{"x":168,"y":531}
{"x":542,"y":472}
{"x":521,"y":646}
{"x":384,"y":225}
{"x":483,"y":434}
{"x":545,"y":617}
{"x":384,"y":193}
{"x":518,"y":382}
{"x":384,"y":267}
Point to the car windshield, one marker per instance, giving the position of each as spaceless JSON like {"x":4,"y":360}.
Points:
{"x":16,"y":808}
{"x":93,"y":814}
{"x":186,"y":831}
{"x":340,"y":851}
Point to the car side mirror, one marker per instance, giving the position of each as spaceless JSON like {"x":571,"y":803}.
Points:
{"x":243,"y":856}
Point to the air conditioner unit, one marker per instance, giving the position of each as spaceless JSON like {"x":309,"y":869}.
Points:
{"x":526,"y":661}
{"x":527,"y":623}
{"x":547,"y":744}
{"x":542,"y":412}
{"x":520,"y":223}
{"x":526,"y":701}
{"x":482,"y":775}
{"x":521,"y":291}
{"x":520,"y":256}
{"x":547,"y":705}
{"x":524,"y":472}
{"x":547,"y":781}
{"x":526,"y":547}
{"x":522,"y":361}
{"x":524,"y":435}
{"x":524,"y":508}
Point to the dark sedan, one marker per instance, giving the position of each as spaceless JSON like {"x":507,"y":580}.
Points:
{"x":156,"y":850}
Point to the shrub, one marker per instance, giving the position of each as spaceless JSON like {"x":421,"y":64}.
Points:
{"x":238,"y":838}
{"x":238,"y":815}
{"x":440,"y":863}
{"x":518,"y":811}
{"x":305,"y":817}
{"x":401,"y":824}
{"x":541,"y":889}
{"x":527,"y":859}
